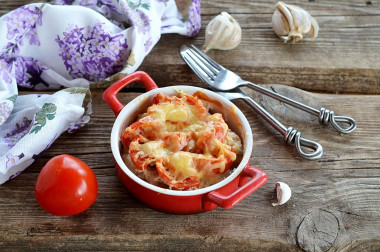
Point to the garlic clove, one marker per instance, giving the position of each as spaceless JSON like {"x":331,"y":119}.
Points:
{"x":301,"y":21}
{"x":280,"y":24}
{"x":314,"y":28}
{"x":223,"y":33}
{"x":291,"y":22}
{"x":283,"y":193}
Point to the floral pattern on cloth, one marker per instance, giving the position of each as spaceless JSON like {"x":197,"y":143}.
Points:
{"x":91,"y":53}
{"x":72,"y":46}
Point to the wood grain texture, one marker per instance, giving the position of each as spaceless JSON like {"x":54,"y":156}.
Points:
{"x":342,"y":188}
{"x":344,"y":58}
{"x":344,"y":183}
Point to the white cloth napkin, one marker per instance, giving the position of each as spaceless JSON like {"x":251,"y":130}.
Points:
{"x":68,"y":46}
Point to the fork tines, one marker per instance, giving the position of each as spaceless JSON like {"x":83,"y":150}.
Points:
{"x":200,"y":63}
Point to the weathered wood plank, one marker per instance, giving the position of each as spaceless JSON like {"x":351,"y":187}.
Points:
{"x":345,"y":57}
{"x":342,"y":187}
{"x":344,"y":183}
{"x":338,"y":61}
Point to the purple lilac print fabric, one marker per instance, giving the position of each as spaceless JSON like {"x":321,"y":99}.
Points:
{"x":71,"y":46}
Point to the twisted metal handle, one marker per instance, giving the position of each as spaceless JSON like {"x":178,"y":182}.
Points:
{"x":293,"y":136}
{"x":327,"y":116}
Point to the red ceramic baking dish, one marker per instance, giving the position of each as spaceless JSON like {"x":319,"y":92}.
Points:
{"x":242,"y":181}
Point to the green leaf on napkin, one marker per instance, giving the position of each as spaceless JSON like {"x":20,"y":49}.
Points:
{"x":76,"y":90}
{"x":47,"y":112}
{"x":12,"y":98}
{"x":145,"y":6}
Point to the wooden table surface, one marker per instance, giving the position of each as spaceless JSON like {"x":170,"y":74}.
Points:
{"x":335,"y":204}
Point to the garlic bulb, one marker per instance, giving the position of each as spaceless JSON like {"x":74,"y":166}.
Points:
{"x":283,"y":193}
{"x":223,"y":33}
{"x":291,"y":23}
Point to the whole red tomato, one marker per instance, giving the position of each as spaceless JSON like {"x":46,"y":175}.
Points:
{"x":66,"y":186}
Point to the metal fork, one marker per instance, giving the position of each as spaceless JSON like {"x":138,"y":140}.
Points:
{"x":222,"y":79}
{"x":217,"y":76}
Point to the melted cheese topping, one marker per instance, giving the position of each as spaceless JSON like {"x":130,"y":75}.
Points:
{"x":183,"y":164}
{"x":192,"y":147}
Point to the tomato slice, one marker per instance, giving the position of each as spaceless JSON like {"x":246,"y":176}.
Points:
{"x":140,"y":159}
{"x":176,"y":141}
{"x":66,"y":186}
{"x":190,"y":182}
{"x":146,"y":126}
{"x":161,"y":98}
{"x":197,"y":106}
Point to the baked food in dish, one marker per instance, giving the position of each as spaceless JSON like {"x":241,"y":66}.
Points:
{"x":178,"y":144}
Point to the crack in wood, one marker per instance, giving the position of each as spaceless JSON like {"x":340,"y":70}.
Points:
{"x":317,"y":231}
{"x":349,"y":213}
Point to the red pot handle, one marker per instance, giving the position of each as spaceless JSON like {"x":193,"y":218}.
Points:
{"x":109,"y":96}
{"x":258,"y":178}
